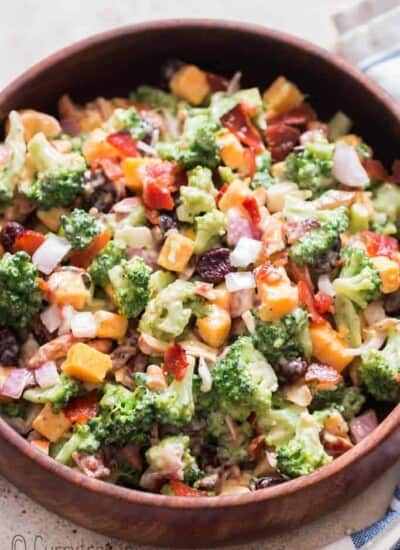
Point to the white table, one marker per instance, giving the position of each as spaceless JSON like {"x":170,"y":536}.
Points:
{"x":32,"y":29}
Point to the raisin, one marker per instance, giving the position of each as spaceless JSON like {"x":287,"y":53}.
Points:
{"x":99,"y":192}
{"x":292,"y":370}
{"x":212,"y":266}
{"x":167,"y":222}
{"x":9,"y":347}
{"x":391,"y":303}
{"x":9,"y":233}
{"x":265,"y":482}
{"x":326,"y":262}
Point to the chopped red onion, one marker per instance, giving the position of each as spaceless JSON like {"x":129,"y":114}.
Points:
{"x":325,"y":285}
{"x":83,"y":325}
{"x":134,"y":237}
{"x":16,"y":382}
{"x":347,"y":167}
{"x":51,"y":317}
{"x":241,"y":301}
{"x":246,"y":252}
{"x":47,"y":375}
{"x":363,"y":425}
{"x":126,"y":206}
{"x":51,"y":253}
{"x":238,"y":226}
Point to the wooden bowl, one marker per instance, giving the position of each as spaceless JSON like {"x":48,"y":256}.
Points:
{"x":114,"y":63}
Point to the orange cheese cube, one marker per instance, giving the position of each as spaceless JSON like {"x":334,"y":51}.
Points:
{"x":110,"y":325}
{"x":231,"y":150}
{"x":68,"y":288}
{"x":222,"y":297}
{"x":41,"y":444}
{"x":277,"y":301}
{"x":86,"y":363}
{"x":282,"y":96}
{"x":389,"y":272}
{"x":176,"y":252}
{"x":134,"y":169}
{"x":234,"y":196}
{"x":329,"y":347}
{"x":215,"y":327}
{"x":51,"y":426}
{"x":190,"y":83}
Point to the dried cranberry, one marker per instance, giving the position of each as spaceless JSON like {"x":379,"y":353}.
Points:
{"x":9,"y":233}
{"x":167,"y":222}
{"x":292,"y":370}
{"x":326,"y":262}
{"x":212,"y":266}
{"x":9,"y":347}
{"x":100,"y":192}
{"x":265,"y":482}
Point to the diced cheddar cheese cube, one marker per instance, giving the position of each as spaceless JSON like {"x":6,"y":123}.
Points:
{"x":134,"y":169}
{"x":110,"y":325}
{"x":176,"y":252}
{"x":68,"y":288}
{"x":389,"y":271}
{"x":51,"y":218}
{"x":282,"y":96}
{"x":215,"y":327}
{"x":41,"y":444}
{"x":190,"y":83}
{"x":96,"y":147}
{"x":234,"y":196}
{"x":86,"y":363}
{"x":51,"y":426}
{"x":329,"y":347}
{"x":222,"y":297}
{"x":231,"y":150}
{"x":277,"y":294}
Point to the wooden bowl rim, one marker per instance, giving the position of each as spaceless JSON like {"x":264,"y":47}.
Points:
{"x":380,"y":434}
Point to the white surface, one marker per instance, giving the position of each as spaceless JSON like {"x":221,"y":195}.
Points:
{"x":32,"y":29}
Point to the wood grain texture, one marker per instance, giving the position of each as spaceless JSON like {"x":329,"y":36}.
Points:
{"x":114,"y":63}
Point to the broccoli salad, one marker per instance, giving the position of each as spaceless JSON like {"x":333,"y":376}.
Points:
{"x":199,"y":287}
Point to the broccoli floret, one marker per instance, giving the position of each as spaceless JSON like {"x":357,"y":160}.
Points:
{"x":380,"y":369}
{"x":358,"y":280}
{"x":14,"y":409}
{"x":304,"y":453}
{"x":15,"y":142}
{"x":312,"y":168}
{"x":243,"y":380}
{"x":198,"y":196}
{"x":111,"y":255}
{"x":59,"y":177}
{"x":58,"y":395}
{"x":130,"y":121}
{"x":175,"y":405}
{"x":386,"y":203}
{"x":130,"y":281}
{"x":209,"y":229}
{"x":228,"y":448}
{"x":167,"y":314}
{"x":82,"y":440}
{"x":79,"y":228}
{"x":283,"y":340}
{"x":262,"y":176}
{"x":154,"y":98}
{"x":348,"y":400}
{"x":280,"y":423}
{"x":348,"y":321}
{"x":159,"y":280}
{"x":20,"y":296}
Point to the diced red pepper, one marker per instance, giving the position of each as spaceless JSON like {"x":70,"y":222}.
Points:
{"x":306,"y":297}
{"x":300,"y":273}
{"x":249,"y":159}
{"x":175,"y":361}
{"x":239,"y":123}
{"x":83,"y":258}
{"x":251,"y":205}
{"x":164,"y":174}
{"x":28,"y":241}
{"x":300,"y":116}
{"x":221,"y":192}
{"x":157,"y":197}
{"x":216,"y":82}
{"x":281,"y":139}
{"x":375,"y":169}
{"x":324,"y":303}
{"x":180,"y":489}
{"x":322,"y":377}
{"x":380,"y":245}
{"x":111,"y":168}
{"x":81,"y":409}
{"x":124,"y":143}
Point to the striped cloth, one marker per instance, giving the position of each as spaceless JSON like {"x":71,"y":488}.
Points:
{"x":369,"y":36}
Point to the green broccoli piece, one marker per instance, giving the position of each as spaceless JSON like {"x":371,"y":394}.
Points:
{"x":14,"y":409}
{"x":154,"y":98}
{"x":280,"y":423}
{"x":358,"y":279}
{"x":304,"y":453}
{"x":380,"y":369}
{"x":59,"y":177}
{"x":111,"y":255}
{"x":130,"y":121}
{"x":124,"y":473}
{"x":312,"y":168}
{"x":348,"y":321}
{"x":209,"y":229}
{"x":168,"y":313}
{"x":262,"y":176}
{"x":386,"y":203}
{"x":233,"y":450}
{"x":198,"y":196}
{"x":79,"y":228}
{"x":243,"y":380}
{"x":15,"y":142}
{"x":348,"y":400}
{"x":159,"y":280}
{"x":130,"y":281}
{"x":175,"y":405}
{"x":283,"y":340}
{"x":58,"y":395}
{"x":82,"y":440}
{"x":20,"y":296}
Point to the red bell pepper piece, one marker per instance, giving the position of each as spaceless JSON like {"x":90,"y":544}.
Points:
{"x":164,"y":173}
{"x":180,"y":489}
{"x":28,"y":241}
{"x":175,"y":361}
{"x":81,"y":409}
{"x":324,"y":303}
{"x":251,"y":205}
{"x":306,"y":297}
{"x":124,"y":143}
{"x":380,"y":245}
{"x":239,"y":123}
{"x":375,"y":169}
{"x":157,"y":197}
{"x":83,"y":258}
{"x":281,"y":139}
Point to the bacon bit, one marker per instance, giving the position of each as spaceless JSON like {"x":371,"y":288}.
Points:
{"x":180,"y":489}
{"x":295,"y":230}
{"x":124,"y":143}
{"x":300,"y":274}
{"x":380,"y":245}
{"x":175,"y":362}
{"x":249,"y":159}
{"x":238,"y":122}
{"x":164,"y":173}
{"x":306,"y":298}
{"x":110,"y":167}
{"x":375,"y":169}
{"x":216,"y":82}
{"x":300,"y":116}
{"x":206,"y":290}
{"x":250,"y":204}
{"x":83,"y":258}
{"x":324,"y":303}
{"x":221,"y":192}
{"x":335,"y":445}
{"x":322,"y":377}
{"x":152,"y":216}
{"x":281,"y":139}
{"x":256,"y":445}
{"x":157,"y":197}
{"x":28,"y":241}
{"x":81,"y":409}
{"x":52,"y":351}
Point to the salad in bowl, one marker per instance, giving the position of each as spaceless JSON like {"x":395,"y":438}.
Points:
{"x":199,"y":287}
